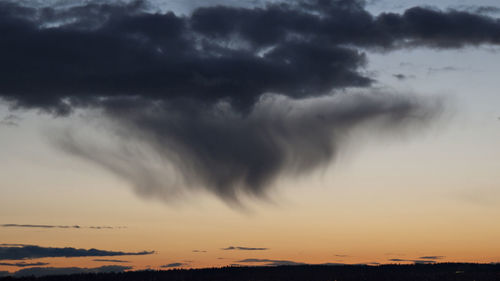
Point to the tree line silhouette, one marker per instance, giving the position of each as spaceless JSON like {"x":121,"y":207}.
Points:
{"x":420,"y":272}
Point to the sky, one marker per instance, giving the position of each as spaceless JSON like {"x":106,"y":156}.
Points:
{"x":188,"y":134}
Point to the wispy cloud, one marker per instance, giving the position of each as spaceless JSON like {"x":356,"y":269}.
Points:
{"x":479,"y":9}
{"x":110,"y":260}
{"x":10,"y":120}
{"x":423,"y":260}
{"x":399,"y":76}
{"x":59,"y":226}
{"x":432,"y":257}
{"x":433,"y":70}
{"x":173,"y":265}
{"x":244,"y":248}
{"x":333,"y":264}
{"x":19,"y":252}
{"x":199,"y":251}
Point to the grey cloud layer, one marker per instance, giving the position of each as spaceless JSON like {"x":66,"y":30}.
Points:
{"x":19,"y":252}
{"x":231,"y":98}
{"x":52,"y":57}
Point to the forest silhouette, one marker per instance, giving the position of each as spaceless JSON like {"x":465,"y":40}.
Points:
{"x":430,"y":272}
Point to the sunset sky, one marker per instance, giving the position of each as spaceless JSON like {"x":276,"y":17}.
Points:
{"x":193,"y":133}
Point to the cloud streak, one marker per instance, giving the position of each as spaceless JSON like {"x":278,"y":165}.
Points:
{"x":244,"y":248}
{"x":20,"y":252}
{"x":58,"y":226}
{"x":174,"y":265}
{"x":432,"y":257}
{"x":24,"y":264}
{"x":110,"y":260}
{"x":420,"y":260}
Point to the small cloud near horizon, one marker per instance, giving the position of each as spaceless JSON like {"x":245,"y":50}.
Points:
{"x":173,"y":265}
{"x":110,"y":260}
{"x":423,"y":260}
{"x":432,"y":257}
{"x":244,"y":248}
{"x":23,"y":264}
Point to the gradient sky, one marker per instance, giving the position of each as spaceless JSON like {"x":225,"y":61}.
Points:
{"x":424,"y":190}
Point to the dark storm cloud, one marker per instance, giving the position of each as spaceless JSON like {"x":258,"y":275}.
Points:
{"x":20,"y":252}
{"x":244,"y":248}
{"x":119,"y":50}
{"x":173,"y":265}
{"x":44,"y":271}
{"x":56,"y":226}
{"x":230,"y":97}
{"x":53,"y":58}
{"x":23,"y":264}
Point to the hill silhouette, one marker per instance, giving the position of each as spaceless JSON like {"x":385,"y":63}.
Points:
{"x":428,"y":272}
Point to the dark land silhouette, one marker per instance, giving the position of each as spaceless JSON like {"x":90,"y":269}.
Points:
{"x":427,"y":272}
